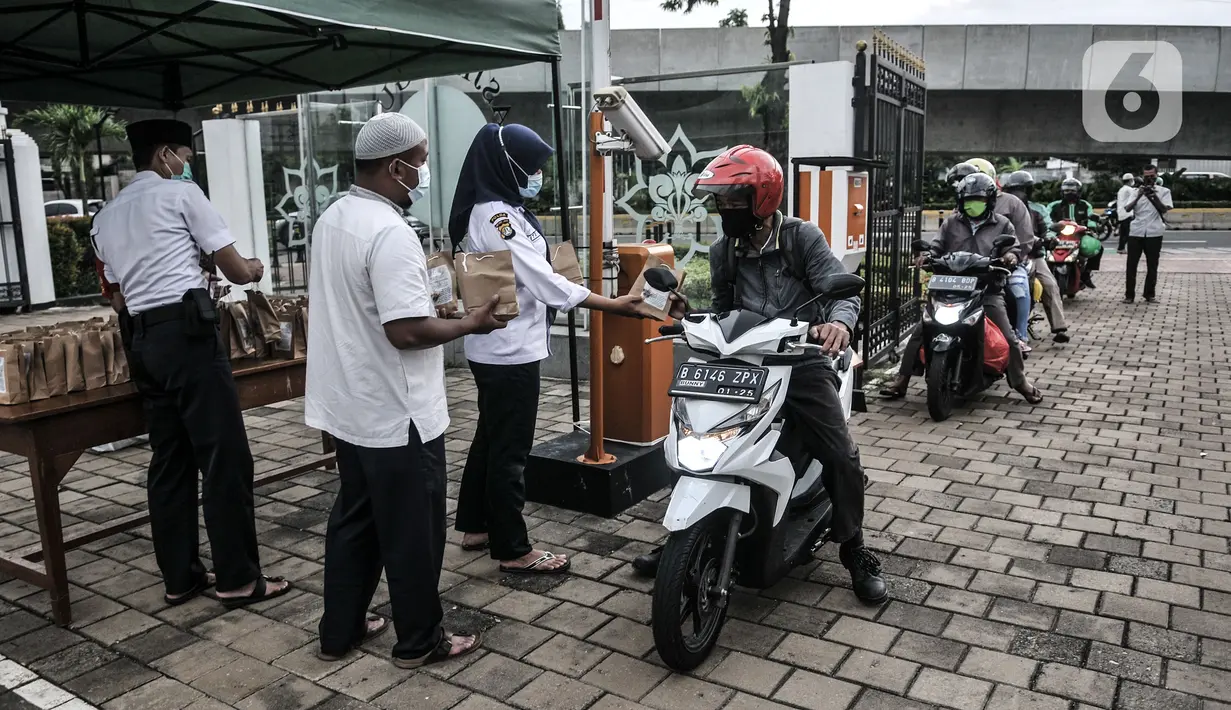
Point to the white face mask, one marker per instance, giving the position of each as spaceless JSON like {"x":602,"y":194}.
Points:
{"x":425,"y":181}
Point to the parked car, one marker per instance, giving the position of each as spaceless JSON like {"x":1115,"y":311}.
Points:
{"x":71,"y":208}
{"x":1189,"y":175}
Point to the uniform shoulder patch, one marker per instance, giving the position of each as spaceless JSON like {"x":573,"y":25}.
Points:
{"x":499,"y":216}
{"x":505,"y":227}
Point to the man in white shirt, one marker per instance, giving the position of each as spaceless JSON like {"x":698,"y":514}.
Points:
{"x":1149,"y":203}
{"x":1123,"y":213}
{"x":376,"y":383}
{"x":150,"y":239}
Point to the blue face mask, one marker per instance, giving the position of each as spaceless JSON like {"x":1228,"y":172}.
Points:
{"x":186,"y":174}
{"x":534,"y":183}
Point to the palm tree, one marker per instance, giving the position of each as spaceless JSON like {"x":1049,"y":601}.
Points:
{"x":67,"y":131}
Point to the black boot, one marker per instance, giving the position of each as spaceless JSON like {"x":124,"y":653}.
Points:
{"x":647,"y":564}
{"x":1087,"y":280}
{"x":866,"y":580}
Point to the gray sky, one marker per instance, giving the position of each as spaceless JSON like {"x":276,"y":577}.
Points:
{"x":629,"y":14}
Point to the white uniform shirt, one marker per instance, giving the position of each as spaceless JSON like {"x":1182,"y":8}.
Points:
{"x":150,"y":239}
{"x":497,"y":226}
{"x":1124,"y":196}
{"x":368,"y":269}
{"x":1147,"y":222}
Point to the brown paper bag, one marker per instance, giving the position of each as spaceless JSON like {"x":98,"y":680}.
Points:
{"x":264,"y":320}
{"x":244,"y":342}
{"x":442,"y":279}
{"x":483,"y":275}
{"x":14,"y":388}
{"x":53,"y":365}
{"x":36,"y":376}
{"x":655,"y":304}
{"x":74,"y":373}
{"x":564,"y":262}
{"x":92,"y":363}
{"x":122,"y":373}
{"x":108,"y":343}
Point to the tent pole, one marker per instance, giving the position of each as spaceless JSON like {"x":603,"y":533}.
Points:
{"x":566,"y":227}
{"x":598,"y":196}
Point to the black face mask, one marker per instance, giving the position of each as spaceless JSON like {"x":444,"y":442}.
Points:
{"x":1071,"y":196}
{"x":1149,"y":180}
{"x":738,"y":223}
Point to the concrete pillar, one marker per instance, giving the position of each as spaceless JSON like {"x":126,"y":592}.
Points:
{"x":29,"y":208}
{"x":233,"y":148}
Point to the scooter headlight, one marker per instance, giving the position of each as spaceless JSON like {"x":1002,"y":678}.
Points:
{"x":1071,"y":257}
{"x":948,"y":313}
{"x":701,"y":451}
{"x":973,"y":317}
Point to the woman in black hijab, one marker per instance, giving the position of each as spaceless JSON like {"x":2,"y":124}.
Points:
{"x":503,"y":169}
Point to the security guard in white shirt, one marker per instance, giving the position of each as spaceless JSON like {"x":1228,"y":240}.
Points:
{"x":503,"y":169}
{"x":151,"y":237}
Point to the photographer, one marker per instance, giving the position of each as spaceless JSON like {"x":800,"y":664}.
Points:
{"x":1149,"y":203}
{"x":1124,"y":214}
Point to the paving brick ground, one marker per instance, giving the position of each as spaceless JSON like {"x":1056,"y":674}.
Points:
{"x":1068,"y":556}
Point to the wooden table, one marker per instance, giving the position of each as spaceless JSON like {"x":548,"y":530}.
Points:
{"x":53,"y":433}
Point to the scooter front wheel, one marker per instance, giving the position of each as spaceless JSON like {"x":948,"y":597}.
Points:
{"x":940,"y":387}
{"x":688,"y":609}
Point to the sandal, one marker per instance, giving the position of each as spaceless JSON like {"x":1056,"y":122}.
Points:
{"x":260,"y":593}
{"x":1034,"y":396}
{"x":442,"y":652}
{"x":368,"y":634}
{"x":197,"y":590}
{"x":534,"y":567}
{"x":894,"y":390}
{"x":476,"y":546}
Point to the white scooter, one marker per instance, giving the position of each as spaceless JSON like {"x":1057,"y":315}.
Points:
{"x":741,"y":510}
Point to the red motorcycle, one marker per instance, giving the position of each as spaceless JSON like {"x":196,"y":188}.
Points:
{"x":1064,"y":257}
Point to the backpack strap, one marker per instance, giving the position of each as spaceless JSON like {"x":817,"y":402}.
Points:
{"x":792,"y":249}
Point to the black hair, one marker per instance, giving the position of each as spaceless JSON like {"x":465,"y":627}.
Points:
{"x":370,"y":166}
{"x":1150,"y":167}
{"x":143,"y":156}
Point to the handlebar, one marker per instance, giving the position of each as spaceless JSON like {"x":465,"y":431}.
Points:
{"x":673,"y":329}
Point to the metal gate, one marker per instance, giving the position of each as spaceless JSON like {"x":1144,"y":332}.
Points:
{"x":14,"y":287}
{"x":890,"y":108}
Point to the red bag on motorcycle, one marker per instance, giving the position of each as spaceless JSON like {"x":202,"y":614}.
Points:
{"x":995,"y":348}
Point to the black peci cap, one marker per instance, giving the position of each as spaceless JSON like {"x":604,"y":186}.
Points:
{"x":159,"y":131}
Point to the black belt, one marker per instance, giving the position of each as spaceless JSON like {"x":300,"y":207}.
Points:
{"x":160,"y":314}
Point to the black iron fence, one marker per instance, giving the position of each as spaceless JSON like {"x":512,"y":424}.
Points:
{"x":14,"y":286}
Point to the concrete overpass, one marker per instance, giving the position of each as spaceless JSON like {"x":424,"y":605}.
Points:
{"x":992,"y":88}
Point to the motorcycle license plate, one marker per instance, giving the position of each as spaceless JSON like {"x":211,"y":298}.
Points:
{"x":729,"y":383}
{"x":945,"y":282}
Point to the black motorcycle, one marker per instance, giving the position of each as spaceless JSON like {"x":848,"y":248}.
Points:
{"x":953,"y":325}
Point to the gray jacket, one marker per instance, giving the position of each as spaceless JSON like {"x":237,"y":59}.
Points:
{"x":1023,"y":224}
{"x":958,"y":234}
{"x":766,"y":285}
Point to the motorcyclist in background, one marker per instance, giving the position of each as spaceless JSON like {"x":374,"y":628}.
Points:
{"x":772,"y":265}
{"x":1073,"y":208}
{"x":973,"y":227}
{"x":1020,"y":184}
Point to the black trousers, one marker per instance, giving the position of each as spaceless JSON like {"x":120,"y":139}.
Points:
{"x":814,"y":413}
{"x":493,"y":491}
{"x":192,"y":409}
{"x":1125,"y":225}
{"x":1152,"y":247}
{"x":389,"y":514}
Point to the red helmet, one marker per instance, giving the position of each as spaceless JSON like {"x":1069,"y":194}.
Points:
{"x":744,"y":169}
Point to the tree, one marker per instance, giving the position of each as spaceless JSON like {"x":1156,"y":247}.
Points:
{"x":766,"y":100}
{"x":735,"y":18}
{"x":67,"y":131}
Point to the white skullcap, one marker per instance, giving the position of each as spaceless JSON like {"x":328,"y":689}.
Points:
{"x":387,"y":134}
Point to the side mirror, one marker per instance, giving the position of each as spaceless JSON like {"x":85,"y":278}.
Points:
{"x":839,"y":286}
{"x":1004,"y":242}
{"x":661,"y":279}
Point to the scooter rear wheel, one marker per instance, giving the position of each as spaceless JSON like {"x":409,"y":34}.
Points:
{"x":688,"y":611}
{"x":940,"y":387}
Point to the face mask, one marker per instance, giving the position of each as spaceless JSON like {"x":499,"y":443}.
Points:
{"x":534,"y":184}
{"x":1070,"y":197}
{"x":425,"y":181}
{"x":739,"y":222}
{"x":974,"y":209}
{"x":1149,"y":180}
{"x":185,"y":174}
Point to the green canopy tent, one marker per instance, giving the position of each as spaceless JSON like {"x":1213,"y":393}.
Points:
{"x":173,"y":54}
{"x":170,"y":54}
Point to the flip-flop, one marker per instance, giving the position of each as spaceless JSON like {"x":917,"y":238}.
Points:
{"x":368,"y":635}
{"x":260,"y":593}
{"x":1032,"y":397}
{"x":197,"y":590}
{"x":440,"y":653}
{"x":535,"y":567}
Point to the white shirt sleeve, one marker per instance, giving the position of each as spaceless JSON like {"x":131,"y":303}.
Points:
{"x":533,"y":270}
{"x":1164,"y":196}
{"x":1123,"y":197}
{"x":398,"y":270}
{"x":207,"y":227}
{"x":98,"y":252}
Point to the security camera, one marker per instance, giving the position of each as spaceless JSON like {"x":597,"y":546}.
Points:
{"x":628,"y":121}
